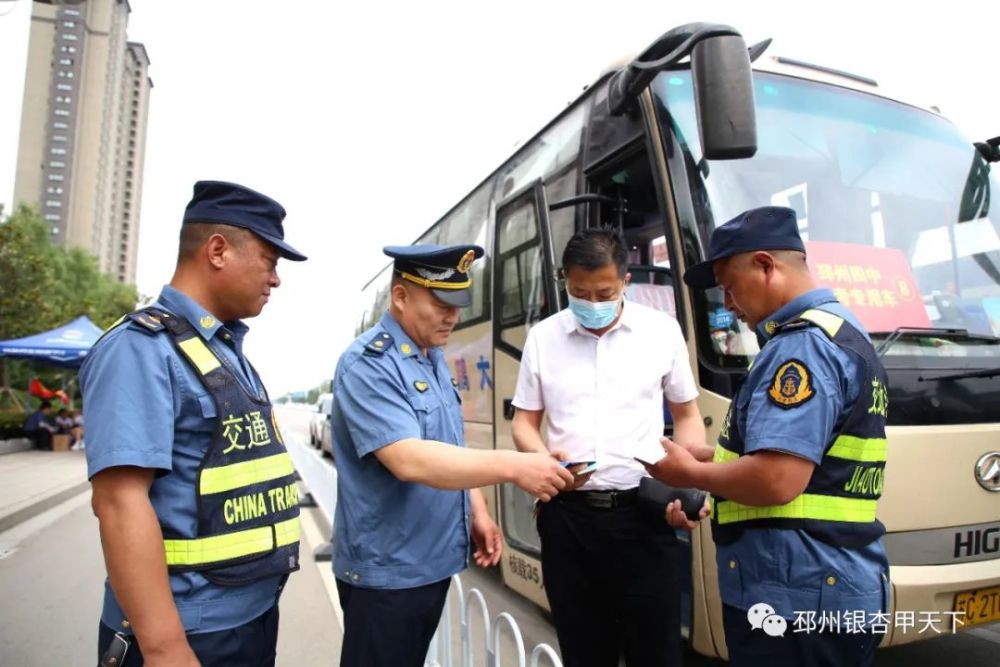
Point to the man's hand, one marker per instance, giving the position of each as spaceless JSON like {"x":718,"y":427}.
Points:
{"x":541,"y":475}
{"x":703,"y":453}
{"x":676,"y":517}
{"x":486,"y":538}
{"x":676,"y":468}
{"x":578,"y":480}
{"x":137,"y":568}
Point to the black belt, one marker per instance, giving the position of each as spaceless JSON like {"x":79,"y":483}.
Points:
{"x":601,"y":499}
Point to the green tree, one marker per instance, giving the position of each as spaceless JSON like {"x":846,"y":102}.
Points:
{"x":79,"y":288}
{"x":45,"y":286}
{"x":26,"y":273}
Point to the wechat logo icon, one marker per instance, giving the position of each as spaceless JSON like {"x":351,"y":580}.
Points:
{"x":762,"y":617}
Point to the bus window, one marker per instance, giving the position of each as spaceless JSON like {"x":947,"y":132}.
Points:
{"x":523,"y":294}
{"x":562,"y":221}
{"x":652,"y":286}
{"x":557,"y":148}
{"x":467,"y":223}
{"x":629,"y":182}
{"x":520,"y":267}
{"x":886,"y":200}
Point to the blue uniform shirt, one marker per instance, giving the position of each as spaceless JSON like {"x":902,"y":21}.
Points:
{"x":146,"y":407}
{"x":788,"y":569}
{"x":389,"y":533}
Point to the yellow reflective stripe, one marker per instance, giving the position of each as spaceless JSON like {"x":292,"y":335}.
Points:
{"x":806,"y":506}
{"x":865,"y":450}
{"x":723,"y":455}
{"x":287,"y":532}
{"x":199,"y":354}
{"x":828,"y":322}
{"x":233,"y":476}
{"x":425,"y":282}
{"x":204,"y":550}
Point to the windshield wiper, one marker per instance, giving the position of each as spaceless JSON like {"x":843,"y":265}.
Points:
{"x":961,"y":375}
{"x":924,"y":332}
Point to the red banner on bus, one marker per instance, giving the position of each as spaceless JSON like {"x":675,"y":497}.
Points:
{"x":875,"y":283}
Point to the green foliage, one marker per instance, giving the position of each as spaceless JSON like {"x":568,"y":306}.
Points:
{"x":27,"y":274}
{"x":45,"y":286}
{"x":81,"y":289}
{"x":11,"y":423}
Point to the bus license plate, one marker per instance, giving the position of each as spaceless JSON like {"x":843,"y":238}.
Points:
{"x":982,"y":606}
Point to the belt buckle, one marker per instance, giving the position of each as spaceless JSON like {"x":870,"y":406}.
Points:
{"x":602,"y":500}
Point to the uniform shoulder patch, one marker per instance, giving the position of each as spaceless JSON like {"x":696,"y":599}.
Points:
{"x":378,"y":344}
{"x":794,"y":325}
{"x":148,"y":320}
{"x":792,"y":385}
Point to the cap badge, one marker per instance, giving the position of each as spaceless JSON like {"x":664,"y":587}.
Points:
{"x":465,"y":263}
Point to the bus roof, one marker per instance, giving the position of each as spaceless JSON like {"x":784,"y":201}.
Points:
{"x":771,"y":64}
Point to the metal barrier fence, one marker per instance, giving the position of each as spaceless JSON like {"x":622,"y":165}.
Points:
{"x":442,"y":646}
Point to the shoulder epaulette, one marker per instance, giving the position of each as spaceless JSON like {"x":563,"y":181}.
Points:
{"x":378,"y":344}
{"x":792,"y":325}
{"x":829,"y":323}
{"x":148,"y":319}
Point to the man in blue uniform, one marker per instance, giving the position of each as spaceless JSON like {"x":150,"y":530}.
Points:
{"x":404,"y":518}
{"x":192,"y":485}
{"x":38,"y":427}
{"x":799,"y":465}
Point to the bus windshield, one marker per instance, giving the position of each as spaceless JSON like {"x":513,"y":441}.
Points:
{"x":893,"y":204}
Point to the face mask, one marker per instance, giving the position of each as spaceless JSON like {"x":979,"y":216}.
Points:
{"x":593,"y":315}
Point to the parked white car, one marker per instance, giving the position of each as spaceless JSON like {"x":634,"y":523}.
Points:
{"x":326,"y":428}
{"x":320,"y":420}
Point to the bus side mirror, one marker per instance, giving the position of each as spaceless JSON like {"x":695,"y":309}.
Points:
{"x":724,"y":101}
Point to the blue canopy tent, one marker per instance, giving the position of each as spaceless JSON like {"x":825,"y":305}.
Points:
{"x":64,"y":346}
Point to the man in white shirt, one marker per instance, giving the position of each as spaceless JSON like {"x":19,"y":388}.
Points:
{"x":597,"y":373}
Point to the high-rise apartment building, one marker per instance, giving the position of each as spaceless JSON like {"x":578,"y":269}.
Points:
{"x":83,"y":129}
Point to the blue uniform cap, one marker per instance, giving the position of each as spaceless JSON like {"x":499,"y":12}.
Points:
{"x":764,"y":228}
{"x":231,"y":204}
{"x":444,"y":270}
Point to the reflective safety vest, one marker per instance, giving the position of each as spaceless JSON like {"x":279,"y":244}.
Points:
{"x":247,"y":498}
{"x":839,"y":504}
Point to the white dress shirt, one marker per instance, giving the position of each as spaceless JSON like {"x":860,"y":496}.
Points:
{"x":603,"y":396}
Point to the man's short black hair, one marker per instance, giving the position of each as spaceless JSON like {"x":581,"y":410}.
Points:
{"x":45,"y":405}
{"x":195,"y":234}
{"x":594,"y":248}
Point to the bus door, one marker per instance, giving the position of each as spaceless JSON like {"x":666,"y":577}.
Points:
{"x":628,"y":200}
{"x":524,"y":292}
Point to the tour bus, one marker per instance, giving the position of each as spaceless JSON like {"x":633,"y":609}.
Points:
{"x":894,"y":205}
